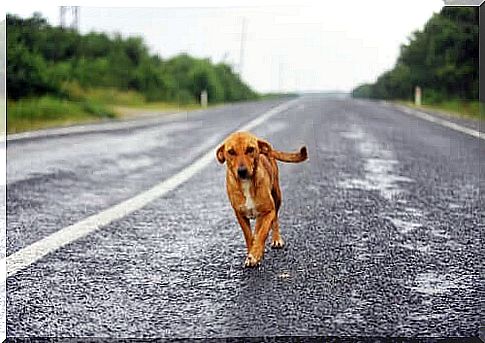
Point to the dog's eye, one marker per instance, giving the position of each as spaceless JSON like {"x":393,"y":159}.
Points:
{"x":249,"y":150}
{"x":231,"y":152}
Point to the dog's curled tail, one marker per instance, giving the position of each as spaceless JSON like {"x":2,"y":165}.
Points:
{"x":293,"y":157}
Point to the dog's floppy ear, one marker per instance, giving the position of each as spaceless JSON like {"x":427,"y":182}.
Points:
{"x":264,"y":147}
{"x":220,"y":154}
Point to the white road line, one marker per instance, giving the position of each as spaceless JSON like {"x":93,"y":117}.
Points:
{"x":32,"y":253}
{"x":443,"y":122}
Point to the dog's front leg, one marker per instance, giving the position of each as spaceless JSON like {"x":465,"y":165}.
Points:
{"x":263,"y":225}
{"x":246,"y":227}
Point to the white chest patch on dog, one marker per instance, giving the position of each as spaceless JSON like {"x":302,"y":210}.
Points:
{"x":249,"y":205}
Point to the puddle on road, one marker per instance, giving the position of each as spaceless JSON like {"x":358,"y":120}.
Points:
{"x":427,"y":316}
{"x":380,"y":174}
{"x":134,"y":163}
{"x":284,"y":275}
{"x":430,"y":283}
{"x":355,"y":134}
{"x":404,"y":226}
{"x":453,"y":206}
{"x":275,"y":126}
{"x":439,"y":233}
{"x":348,"y":318}
{"x":424,"y":248}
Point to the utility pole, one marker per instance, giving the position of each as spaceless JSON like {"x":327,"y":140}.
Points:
{"x":72,"y":13}
{"x":280,"y":76}
{"x":243,"y":43}
{"x":224,"y":57}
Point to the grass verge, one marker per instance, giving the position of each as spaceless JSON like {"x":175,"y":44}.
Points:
{"x":456,"y":108}
{"x":83,"y":106}
{"x":46,"y":111}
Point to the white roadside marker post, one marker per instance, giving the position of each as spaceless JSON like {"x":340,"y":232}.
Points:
{"x":203,"y":98}
{"x":417,"y":96}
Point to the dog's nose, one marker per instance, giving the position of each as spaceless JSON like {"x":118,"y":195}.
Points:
{"x":242,"y":172}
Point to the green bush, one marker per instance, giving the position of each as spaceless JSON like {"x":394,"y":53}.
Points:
{"x":49,"y":108}
{"x":42,"y":59}
{"x":442,"y":59}
{"x":98,"y":110}
{"x":431,"y":96}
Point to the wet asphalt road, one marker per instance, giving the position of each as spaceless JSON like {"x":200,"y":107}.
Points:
{"x":383,"y":229}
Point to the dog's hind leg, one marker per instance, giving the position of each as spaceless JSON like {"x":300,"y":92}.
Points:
{"x":276,"y":242}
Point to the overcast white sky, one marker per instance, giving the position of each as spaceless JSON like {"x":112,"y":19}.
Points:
{"x":289,"y":46}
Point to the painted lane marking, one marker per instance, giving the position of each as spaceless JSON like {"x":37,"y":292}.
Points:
{"x":442,"y":122}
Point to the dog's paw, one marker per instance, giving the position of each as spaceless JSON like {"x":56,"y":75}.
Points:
{"x":277,"y":243}
{"x":251,"y":261}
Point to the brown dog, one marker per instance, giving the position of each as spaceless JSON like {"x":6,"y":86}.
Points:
{"x":253,"y":188}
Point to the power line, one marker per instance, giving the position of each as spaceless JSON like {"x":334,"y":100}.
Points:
{"x":243,"y":43}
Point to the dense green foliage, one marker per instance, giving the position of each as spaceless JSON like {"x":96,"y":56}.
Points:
{"x":442,"y":59}
{"x":43,"y":59}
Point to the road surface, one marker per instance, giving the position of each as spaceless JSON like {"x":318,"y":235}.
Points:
{"x":383,"y":227}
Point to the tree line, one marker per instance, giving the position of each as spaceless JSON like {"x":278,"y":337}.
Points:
{"x":442,"y":59}
{"x":42,"y":58}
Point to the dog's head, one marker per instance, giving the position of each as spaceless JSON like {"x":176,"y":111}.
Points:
{"x":241,"y":153}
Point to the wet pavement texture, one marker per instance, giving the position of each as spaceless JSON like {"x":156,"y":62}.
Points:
{"x":383,"y":229}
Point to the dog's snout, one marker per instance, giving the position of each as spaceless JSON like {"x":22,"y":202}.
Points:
{"x":242,"y":172}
